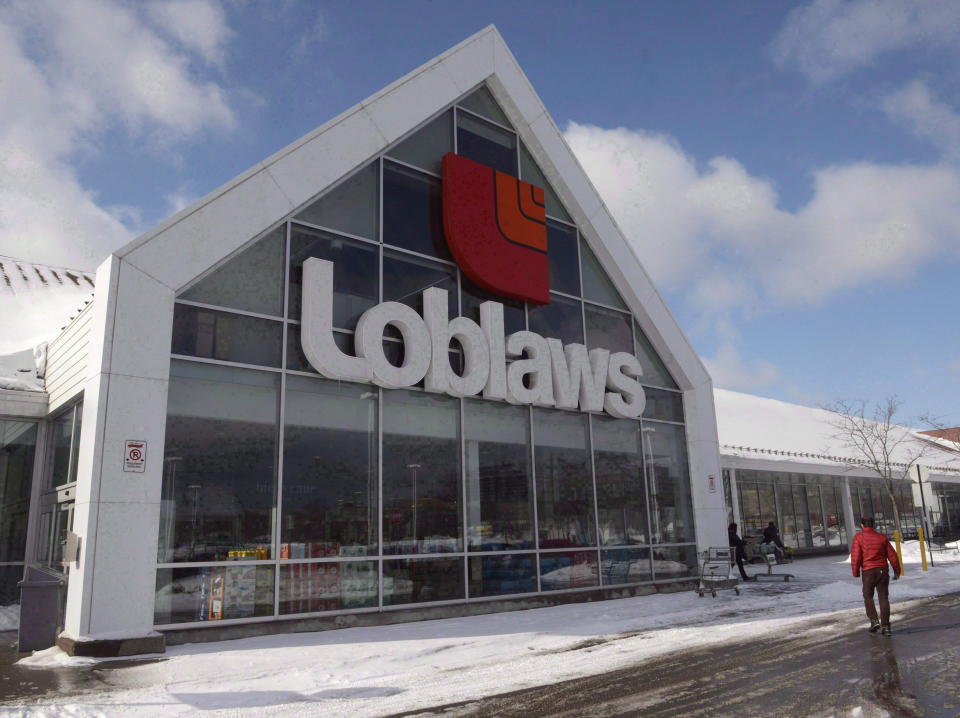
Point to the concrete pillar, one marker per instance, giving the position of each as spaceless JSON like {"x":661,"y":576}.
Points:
{"x":111,"y":586}
{"x":710,"y":514}
{"x":848,"y":518}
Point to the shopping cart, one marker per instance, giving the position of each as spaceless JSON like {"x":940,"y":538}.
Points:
{"x":715,"y":571}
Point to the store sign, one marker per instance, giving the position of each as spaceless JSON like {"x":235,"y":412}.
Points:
{"x":496,"y":229}
{"x":542,"y":371}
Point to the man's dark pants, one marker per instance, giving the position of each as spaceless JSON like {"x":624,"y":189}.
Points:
{"x":879,"y":579}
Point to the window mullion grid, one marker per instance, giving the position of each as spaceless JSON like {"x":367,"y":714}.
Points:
{"x":648,"y":483}
{"x":278,"y":510}
{"x":464,"y":532}
{"x":593,"y":482}
{"x":380,"y":507}
{"x":532,"y":457}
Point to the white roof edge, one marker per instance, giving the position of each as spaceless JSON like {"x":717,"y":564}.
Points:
{"x":227,"y":218}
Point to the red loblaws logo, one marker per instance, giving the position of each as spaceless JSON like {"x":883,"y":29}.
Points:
{"x":496,"y":228}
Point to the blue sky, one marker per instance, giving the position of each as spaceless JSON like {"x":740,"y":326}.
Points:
{"x":789,"y":173}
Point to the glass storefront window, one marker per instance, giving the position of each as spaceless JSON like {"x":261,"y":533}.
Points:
{"x":421,"y":473}
{"x":625,"y":565}
{"x":499,"y":505}
{"x":251,"y":281}
{"x":608,"y":329}
{"x":565,"y":509}
{"x":563,"y":570}
{"x":563,"y":258}
{"x":597,"y":286}
{"x":472,"y":296}
{"x":419,"y":580}
{"x":621,"y":488}
{"x":406,"y":277}
{"x":788,"y":519}
{"x":356,"y":287}
{"x":213,"y":593}
{"x":412,"y":217}
{"x":662,"y":404}
{"x":674,"y":561}
{"x":561,"y":319}
{"x":18,"y":441}
{"x":219,"y":473}
{"x":749,"y":507}
{"x":832,"y":516}
{"x":329,"y":470}
{"x":500,"y":575}
{"x":61,"y":441}
{"x":483,"y":103}
{"x":237,"y":338}
{"x":426,"y":147}
{"x":655,"y":372}
{"x":350,"y":207}
{"x":327,"y":586}
{"x":487,"y":144}
{"x":817,"y":537}
{"x":671,"y":506}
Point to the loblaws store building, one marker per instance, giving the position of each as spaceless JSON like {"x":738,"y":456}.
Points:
{"x":407,"y":367}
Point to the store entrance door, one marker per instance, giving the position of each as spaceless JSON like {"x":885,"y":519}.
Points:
{"x":56,"y":523}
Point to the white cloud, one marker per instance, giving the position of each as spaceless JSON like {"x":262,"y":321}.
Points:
{"x":69,"y":74}
{"x":916,"y":108}
{"x":199,"y":25}
{"x":718,"y":234}
{"x":730,"y":371}
{"x":827,"y":39}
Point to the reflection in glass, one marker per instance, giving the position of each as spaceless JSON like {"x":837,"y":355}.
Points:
{"x":327,"y":586}
{"x":471,"y":297}
{"x":484,"y":104}
{"x":568,"y":569}
{"x":426,"y":147}
{"x":499,"y":509}
{"x":220,"y":459}
{"x":832,"y":515}
{"x":625,"y":565}
{"x":816,"y":517}
{"x":804,"y":532}
{"x":412,"y":217}
{"x":530,"y":172}
{"x":563,"y":258}
{"x":565,"y":510}
{"x":608,"y":329}
{"x":419,"y":580}
{"x":671,"y":506}
{"x":18,"y":440}
{"x":788,"y":520}
{"x":655,"y":373}
{"x":406,"y":277}
{"x":499,"y":575}
{"x":350,"y":207}
{"x":749,"y":507}
{"x":621,"y":489}
{"x":252,"y":280}
{"x":662,"y":404}
{"x":560,"y":319}
{"x":355,"y":271}
{"x":238,"y":338}
{"x":421,"y":473}
{"x":329,"y":469}
{"x":674,"y":561}
{"x":61,"y":439}
{"x":484,"y":143}
{"x":212,"y":593}
{"x":597,"y":286}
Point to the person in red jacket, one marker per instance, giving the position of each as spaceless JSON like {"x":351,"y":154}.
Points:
{"x":869,"y":555}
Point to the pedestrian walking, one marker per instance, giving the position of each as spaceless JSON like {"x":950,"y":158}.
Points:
{"x":771,"y":537}
{"x":869,"y":556}
{"x":737,"y":544}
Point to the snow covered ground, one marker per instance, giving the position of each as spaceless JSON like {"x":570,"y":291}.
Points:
{"x":388,"y":669}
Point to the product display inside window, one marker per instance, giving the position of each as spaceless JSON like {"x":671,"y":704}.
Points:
{"x":351,"y":494}
{"x":213,"y":593}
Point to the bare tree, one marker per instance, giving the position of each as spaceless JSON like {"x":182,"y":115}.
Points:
{"x":877,"y":441}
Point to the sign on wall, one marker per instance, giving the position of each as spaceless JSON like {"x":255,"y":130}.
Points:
{"x":135,"y":456}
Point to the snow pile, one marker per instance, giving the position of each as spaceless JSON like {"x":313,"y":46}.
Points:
{"x":18,"y":371}
{"x":9,"y":617}
{"x":383,"y":670}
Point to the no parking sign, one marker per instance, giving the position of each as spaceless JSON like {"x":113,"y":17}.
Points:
{"x":135,"y":456}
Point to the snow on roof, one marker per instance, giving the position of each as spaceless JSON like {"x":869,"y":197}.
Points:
{"x":757,"y":427}
{"x":37,"y":301}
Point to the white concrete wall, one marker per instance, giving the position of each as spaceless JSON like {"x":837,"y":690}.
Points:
{"x":111,"y":587}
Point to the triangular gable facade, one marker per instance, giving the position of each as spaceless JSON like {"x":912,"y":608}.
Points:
{"x":227,"y":240}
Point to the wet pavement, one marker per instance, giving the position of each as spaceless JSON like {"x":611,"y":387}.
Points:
{"x":828,"y":667}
